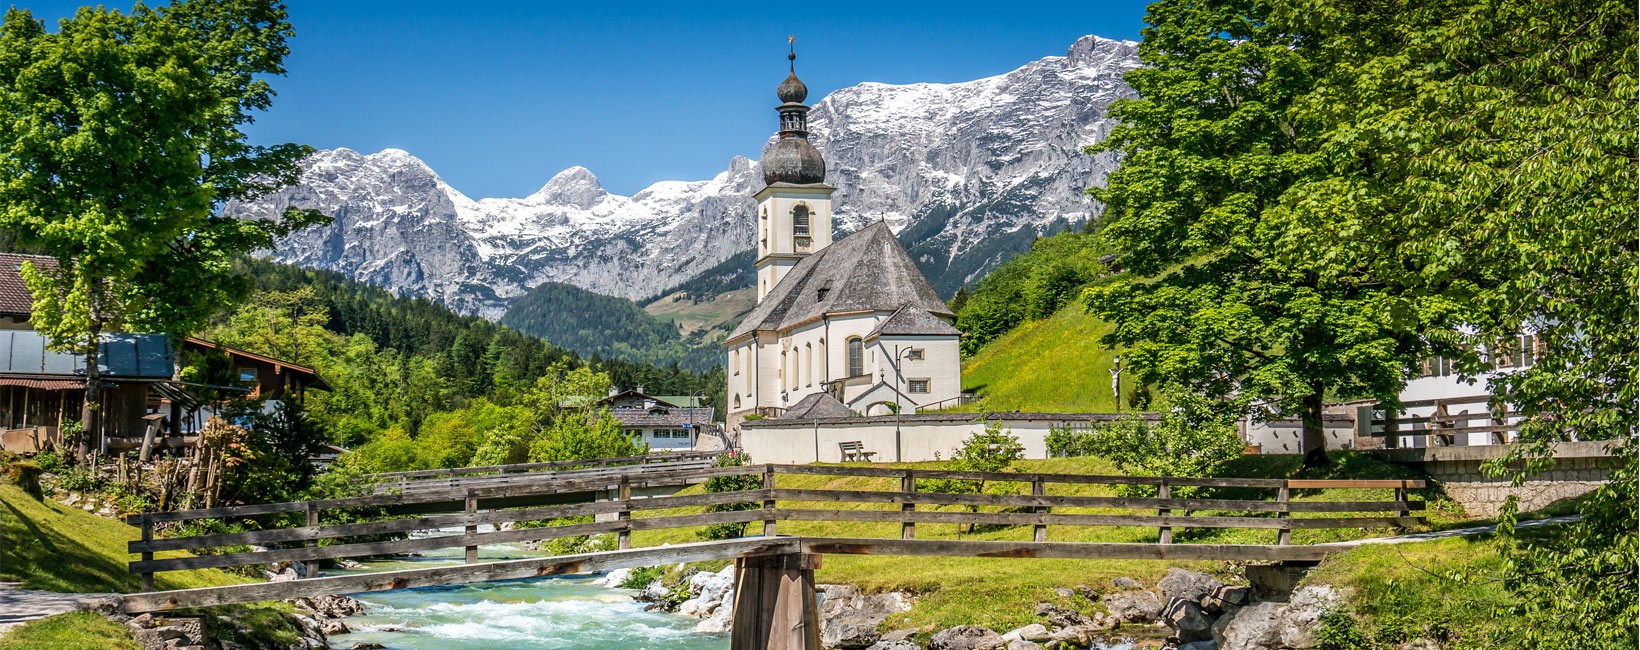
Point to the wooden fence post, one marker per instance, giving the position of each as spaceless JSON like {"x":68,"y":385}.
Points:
{"x":1285,"y":534}
{"x":768,"y":504}
{"x":312,"y":564}
{"x":1165,"y":534}
{"x":908,"y":485}
{"x":624,"y":515}
{"x":147,"y":556}
{"x":1039,"y":487}
{"x":472,"y":529}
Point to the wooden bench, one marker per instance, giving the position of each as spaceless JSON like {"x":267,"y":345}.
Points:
{"x":853,"y":450}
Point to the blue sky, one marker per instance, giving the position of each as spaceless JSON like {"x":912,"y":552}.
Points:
{"x":499,"y":96}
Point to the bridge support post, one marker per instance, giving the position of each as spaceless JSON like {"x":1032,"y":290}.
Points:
{"x":775,"y":607}
{"x":470,"y":507}
{"x":312,"y":564}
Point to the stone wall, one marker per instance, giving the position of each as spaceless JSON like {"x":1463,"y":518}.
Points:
{"x":1580,"y":467}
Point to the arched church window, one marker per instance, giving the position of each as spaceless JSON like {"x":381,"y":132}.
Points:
{"x":737,"y":401}
{"x":856,"y":357}
{"x":800,"y":221}
{"x":808,"y":364}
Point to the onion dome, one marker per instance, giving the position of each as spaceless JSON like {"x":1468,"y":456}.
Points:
{"x":791,"y":158}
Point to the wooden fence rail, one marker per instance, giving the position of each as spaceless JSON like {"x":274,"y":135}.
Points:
{"x":404,"y":484}
{"x":464,"y":512}
{"x":663,"y":458}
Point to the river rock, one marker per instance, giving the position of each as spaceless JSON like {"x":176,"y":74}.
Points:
{"x":1188,"y":621}
{"x":1299,"y":618}
{"x":1021,"y":644}
{"x":1125,"y":583}
{"x":1225,"y":599}
{"x":900,"y":644}
{"x":849,"y":619}
{"x":1035,"y":632}
{"x":1062,"y":617}
{"x":1087,"y":592}
{"x":1200,"y":645}
{"x":1248,"y":628}
{"x":328,"y":606}
{"x":613,"y":579}
{"x":1187,"y":585}
{"x":965,"y":637}
{"x":708,"y":592}
{"x":1133,"y":606}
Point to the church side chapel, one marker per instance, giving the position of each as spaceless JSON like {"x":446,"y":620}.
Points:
{"x":839,"y":328}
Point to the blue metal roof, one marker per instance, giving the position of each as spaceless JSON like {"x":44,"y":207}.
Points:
{"x":121,"y":356}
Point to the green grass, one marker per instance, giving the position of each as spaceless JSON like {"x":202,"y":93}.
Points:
{"x":54,"y":547}
{"x":71,"y":631}
{"x":1001,"y":593}
{"x":47,"y":545}
{"x":1055,"y":365}
{"x":1396,"y":593}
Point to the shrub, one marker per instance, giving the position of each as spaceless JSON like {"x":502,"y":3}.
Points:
{"x":641,"y":577}
{"x":730,"y":484}
{"x":1193,"y":439}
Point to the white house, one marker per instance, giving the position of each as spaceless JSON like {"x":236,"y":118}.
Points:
{"x":855,"y":318}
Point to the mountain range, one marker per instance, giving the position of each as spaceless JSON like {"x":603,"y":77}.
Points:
{"x":967,"y":174}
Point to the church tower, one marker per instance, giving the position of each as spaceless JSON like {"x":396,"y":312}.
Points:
{"x":794,"y":207}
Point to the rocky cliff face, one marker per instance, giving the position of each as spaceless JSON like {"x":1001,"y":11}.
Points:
{"x":966,"y":174}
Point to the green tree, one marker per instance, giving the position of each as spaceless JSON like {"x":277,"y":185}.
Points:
{"x":122,"y":138}
{"x":1218,"y":296}
{"x":1193,"y":438}
{"x":1482,"y":158}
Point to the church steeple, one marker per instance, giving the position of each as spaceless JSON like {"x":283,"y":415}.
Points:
{"x":794,"y":210}
{"x":792,"y":158}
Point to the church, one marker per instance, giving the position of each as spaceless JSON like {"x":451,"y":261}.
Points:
{"x":850,"y":327}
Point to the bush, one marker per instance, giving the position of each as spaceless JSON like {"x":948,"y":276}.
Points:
{"x":1193,"y":439}
{"x":730,"y":484}
{"x":79,"y":479}
{"x":991,"y":450}
{"x":23,"y":474}
{"x":641,"y":577}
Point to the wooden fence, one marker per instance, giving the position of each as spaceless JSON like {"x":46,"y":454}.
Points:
{"x":1441,"y":427}
{"x":406,"y":482}
{"x":470,"y":508}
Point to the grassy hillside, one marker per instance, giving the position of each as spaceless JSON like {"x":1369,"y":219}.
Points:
{"x":1053,"y":364}
{"x":54,"y":547}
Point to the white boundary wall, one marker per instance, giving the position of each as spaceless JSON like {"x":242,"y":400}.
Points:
{"x":919,"y":438}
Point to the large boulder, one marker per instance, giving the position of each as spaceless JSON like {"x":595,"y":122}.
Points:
{"x":1249,"y":628}
{"x":1187,"y":585}
{"x":1188,"y":621}
{"x":849,"y":619}
{"x":966,"y":637}
{"x":1133,"y":606}
{"x":1303,"y":612}
{"x":1272,"y":626}
{"x":1035,"y":632}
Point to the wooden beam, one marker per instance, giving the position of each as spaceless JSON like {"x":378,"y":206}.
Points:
{"x":454,"y":575}
{"x":1064,"y":550}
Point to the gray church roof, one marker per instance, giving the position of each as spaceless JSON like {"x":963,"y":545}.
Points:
{"x":911,"y":320}
{"x":817,"y":405}
{"x":866,"y":271}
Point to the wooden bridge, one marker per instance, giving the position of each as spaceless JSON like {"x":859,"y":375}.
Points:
{"x":775,"y":605}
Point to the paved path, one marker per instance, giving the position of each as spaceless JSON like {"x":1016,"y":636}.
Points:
{"x":18,"y":606}
{"x":1455,"y":532}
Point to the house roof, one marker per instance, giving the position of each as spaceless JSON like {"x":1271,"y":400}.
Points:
{"x":911,"y":320}
{"x":15,"y":299}
{"x":314,"y":380}
{"x":866,"y":271}
{"x":662,"y":416}
{"x":120,"y":356}
{"x":817,"y":405}
{"x":634,"y":393}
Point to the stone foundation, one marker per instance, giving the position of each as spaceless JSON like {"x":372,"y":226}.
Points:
{"x":1580,"y":468}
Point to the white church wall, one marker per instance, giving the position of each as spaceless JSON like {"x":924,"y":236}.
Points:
{"x":940,"y":366}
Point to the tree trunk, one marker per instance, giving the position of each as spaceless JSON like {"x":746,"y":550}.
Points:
{"x":1314,"y":431}
{"x":89,"y":426}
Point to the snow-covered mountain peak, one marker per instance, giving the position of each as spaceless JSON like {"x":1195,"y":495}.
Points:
{"x":574,"y":187}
